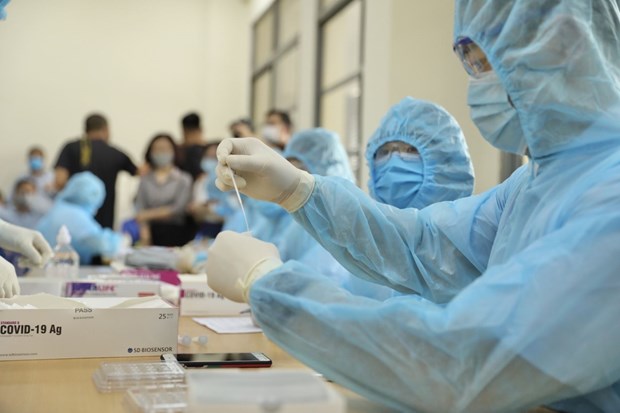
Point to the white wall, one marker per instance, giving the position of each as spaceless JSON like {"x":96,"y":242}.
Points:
{"x":143,"y":63}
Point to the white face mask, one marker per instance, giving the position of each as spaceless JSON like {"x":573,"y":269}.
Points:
{"x":493,"y":114}
{"x":271,"y":133}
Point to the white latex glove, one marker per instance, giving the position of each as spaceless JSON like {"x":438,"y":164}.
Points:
{"x":236,"y":261}
{"x":8,"y":280}
{"x":29,"y":243}
{"x":261,"y":173}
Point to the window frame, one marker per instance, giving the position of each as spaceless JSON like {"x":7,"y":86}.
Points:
{"x":325,"y":16}
{"x":270,"y":65}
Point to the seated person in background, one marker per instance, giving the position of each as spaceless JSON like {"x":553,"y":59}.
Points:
{"x":202,"y":206}
{"x":163,"y":196}
{"x":75,"y":206}
{"x":27,"y":205}
{"x":42,"y":178}
{"x":242,"y":128}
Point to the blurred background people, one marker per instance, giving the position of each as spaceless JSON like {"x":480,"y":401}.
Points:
{"x":192,"y":147}
{"x":202,"y":207}
{"x":93,"y":153}
{"x":242,"y":128}
{"x":27,"y":205}
{"x":163,"y":196}
{"x":42,"y":178}
{"x":277,"y":129}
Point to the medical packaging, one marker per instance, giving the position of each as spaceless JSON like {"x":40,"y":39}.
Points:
{"x":282,"y":391}
{"x":198,"y":299}
{"x":165,"y":398}
{"x":111,"y":285}
{"x":46,"y":327}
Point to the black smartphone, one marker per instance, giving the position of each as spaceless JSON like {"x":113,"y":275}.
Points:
{"x":219,"y":360}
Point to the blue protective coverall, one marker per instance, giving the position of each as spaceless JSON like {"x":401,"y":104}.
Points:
{"x":519,"y":285}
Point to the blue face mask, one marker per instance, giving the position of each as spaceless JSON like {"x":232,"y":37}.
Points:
{"x":35,"y":163}
{"x":208,"y":165}
{"x":397,"y":180}
{"x":493,"y":114}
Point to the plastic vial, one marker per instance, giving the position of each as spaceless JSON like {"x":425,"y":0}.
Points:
{"x":66,"y":261}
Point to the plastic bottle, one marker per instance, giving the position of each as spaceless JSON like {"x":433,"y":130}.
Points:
{"x":66,"y":261}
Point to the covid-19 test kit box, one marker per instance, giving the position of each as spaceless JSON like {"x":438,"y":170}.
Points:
{"x":46,"y":327}
{"x":198,"y":299}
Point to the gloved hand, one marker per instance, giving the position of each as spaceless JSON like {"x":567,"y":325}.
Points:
{"x":236,"y":261}
{"x":261,"y":173}
{"x":30,"y":244}
{"x":8,"y":279}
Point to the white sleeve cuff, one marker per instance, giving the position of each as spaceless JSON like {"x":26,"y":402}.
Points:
{"x":301,"y":194}
{"x":259,"y":270}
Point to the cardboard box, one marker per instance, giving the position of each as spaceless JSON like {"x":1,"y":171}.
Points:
{"x":46,"y":327}
{"x":37,"y":285}
{"x":111,"y":286}
{"x":97,"y":284}
{"x":197,"y":299}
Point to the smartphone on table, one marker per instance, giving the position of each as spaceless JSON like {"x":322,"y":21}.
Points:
{"x":219,"y":360}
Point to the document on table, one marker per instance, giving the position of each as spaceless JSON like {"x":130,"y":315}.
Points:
{"x":229,"y":325}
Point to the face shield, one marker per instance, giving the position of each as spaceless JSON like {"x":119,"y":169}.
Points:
{"x":472,"y":57}
{"x":404,"y":150}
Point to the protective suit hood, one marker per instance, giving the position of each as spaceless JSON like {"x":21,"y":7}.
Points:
{"x":85,"y":190}
{"x":321,"y":151}
{"x":448,"y":171}
{"x":559,"y":63}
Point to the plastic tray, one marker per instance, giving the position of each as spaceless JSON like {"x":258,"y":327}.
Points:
{"x":165,"y":398}
{"x":121,"y":376}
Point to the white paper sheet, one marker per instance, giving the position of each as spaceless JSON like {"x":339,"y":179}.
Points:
{"x":229,"y":325}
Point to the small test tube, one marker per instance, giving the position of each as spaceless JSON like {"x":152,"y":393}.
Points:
{"x":186,"y":340}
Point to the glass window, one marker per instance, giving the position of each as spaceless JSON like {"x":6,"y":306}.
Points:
{"x":287,"y":75}
{"x":262,"y":99}
{"x":340,"y":113}
{"x":263,"y":39}
{"x":288,"y":21}
{"x":341,"y":45}
{"x":275,"y":67}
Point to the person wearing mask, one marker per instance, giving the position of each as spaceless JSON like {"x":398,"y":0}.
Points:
{"x":202,"y":206}
{"x":416,"y":157}
{"x":42,"y":178}
{"x":278,"y":129}
{"x":242,"y":128}
{"x":93,"y":153}
{"x":193,"y":146}
{"x":516,"y":296}
{"x":163,"y":196}
{"x":27,"y":205}
{"x":75,"y":207}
